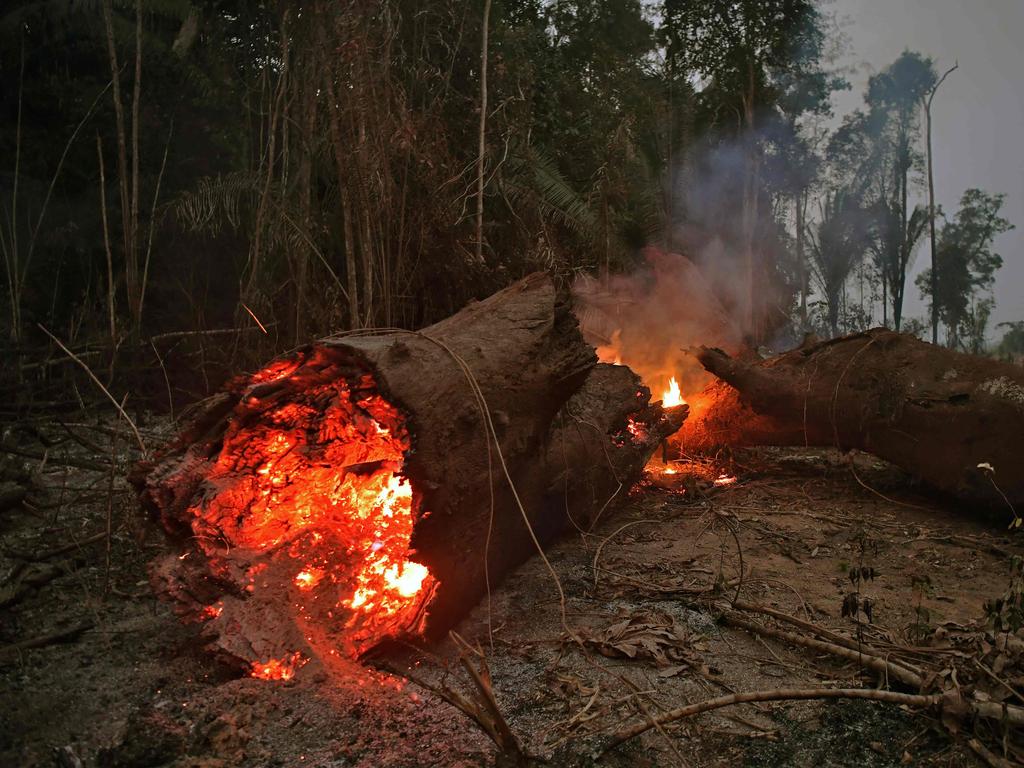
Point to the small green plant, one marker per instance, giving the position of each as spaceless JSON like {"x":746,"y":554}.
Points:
{"x":920,"y":629}
{"x":1006,"y":613}
{"x":856,"y":605}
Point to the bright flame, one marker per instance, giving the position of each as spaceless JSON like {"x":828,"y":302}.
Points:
{"x":672,"y":397}
{"x":406,"y":580}
{"x":308,"y":578}
{"x":724,"y":479}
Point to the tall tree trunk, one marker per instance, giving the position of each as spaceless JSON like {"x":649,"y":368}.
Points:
{"x":801,"y":215}
{"x":132,"y":275}
{"x":931,"y":207}
{"x":334,"y":121}
{"x":904,"y":249}
{"x":482,"y":135}
{"x":885,"y":300}
{"x":122,"y":141}
{"x":305,"y":182}
{"x":111,"y":313}
{"x":751,"y":319}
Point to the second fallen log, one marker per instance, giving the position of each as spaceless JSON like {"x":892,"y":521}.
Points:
{"x":944,"y":417}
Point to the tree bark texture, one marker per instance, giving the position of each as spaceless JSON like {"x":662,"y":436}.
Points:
{"x":936,"y":413}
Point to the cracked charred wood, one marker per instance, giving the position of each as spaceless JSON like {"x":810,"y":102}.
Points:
{"x":361,"y":466}
{"x":943,"y":416}
{"x":600,"y":443}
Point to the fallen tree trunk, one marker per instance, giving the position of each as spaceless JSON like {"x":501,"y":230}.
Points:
{"x":600,"y":442}
{"x":362,"y":487}
{"x":941,"y":415}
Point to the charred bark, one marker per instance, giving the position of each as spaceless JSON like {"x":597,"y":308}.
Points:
{"x":569,"y":433}
{"x":936,"y":413}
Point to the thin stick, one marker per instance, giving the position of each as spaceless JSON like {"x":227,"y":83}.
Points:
{"x":167,"y":380}
{"x":777,"y":694}
{"x":990,"y":757}
{"x":60,"y":636}
{"x":253,"y":315}
{"x":809,"y":626}
{"x":109,"y":532}
{"x":867,"y":660}
{"x":152,"y":221}
{"x":98,"y":383}
{"x":106,"y":243}
{"x":612,"y":535}
{"x":482,"y":148}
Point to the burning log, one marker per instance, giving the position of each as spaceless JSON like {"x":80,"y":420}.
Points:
{"x":943,"y":416}
{"x":360,"y":488}
{"x":601,"y":441}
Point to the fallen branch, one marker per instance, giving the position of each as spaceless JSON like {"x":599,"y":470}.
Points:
{"x":777,"y":694}
{"x":828,"y":634}
{"x":878,"y":664}
{"x":60,"y":636}
{"x":64,"y":461}
{"x":24,"y":581}
{"x":46,"y":554}
{"x":98,"y":383}
{"x":944,"y":417}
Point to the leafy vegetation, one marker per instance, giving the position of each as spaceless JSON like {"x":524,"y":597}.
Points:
{"x":173,"y":166}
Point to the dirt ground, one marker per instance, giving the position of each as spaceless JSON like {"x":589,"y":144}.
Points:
{"x":118,"y":680}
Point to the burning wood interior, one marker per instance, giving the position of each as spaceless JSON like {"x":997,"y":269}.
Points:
{"x":338,"y":497}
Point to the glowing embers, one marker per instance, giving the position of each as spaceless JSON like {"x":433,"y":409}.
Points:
{"x":278,"y":669}
{"x":638,"y":430}
{"x":308,"y":511}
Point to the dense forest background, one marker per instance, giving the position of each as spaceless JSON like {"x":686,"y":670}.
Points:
{"x":214,"y":181}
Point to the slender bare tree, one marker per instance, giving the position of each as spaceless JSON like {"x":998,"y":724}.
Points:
{"x":483,"y":132}
{"x":927,"y":103}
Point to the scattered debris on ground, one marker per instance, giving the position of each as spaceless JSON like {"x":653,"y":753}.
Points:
{"x":658,"y":610}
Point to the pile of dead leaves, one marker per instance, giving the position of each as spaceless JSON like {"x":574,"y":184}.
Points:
{"x":655,"y":636}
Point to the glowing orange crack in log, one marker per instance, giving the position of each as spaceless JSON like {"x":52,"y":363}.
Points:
{"x":309,"y":495}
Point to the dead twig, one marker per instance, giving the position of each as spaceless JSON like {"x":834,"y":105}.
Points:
{"x":831,"y":636}
{"x":46,"y":554}
{"x":66,"y":461}
{"x":60,"y":636}
{"x":878,"y":664}
{"x":612,"y":535}
{"x":98,"y":383}
{"x":483,"y":707}
{"x":990,"y":757}
{"x":777,"y":694}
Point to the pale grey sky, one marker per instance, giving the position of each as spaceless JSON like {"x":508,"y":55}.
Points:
{"x":978,"y":114}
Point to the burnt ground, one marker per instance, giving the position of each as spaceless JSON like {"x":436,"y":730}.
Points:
{"x":128,"y":685}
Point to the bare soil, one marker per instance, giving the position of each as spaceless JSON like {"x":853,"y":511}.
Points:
{"x":640,"y":633}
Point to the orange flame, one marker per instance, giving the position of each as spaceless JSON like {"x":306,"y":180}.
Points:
{"x":672,"y":397}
